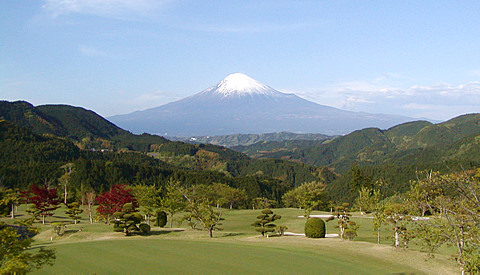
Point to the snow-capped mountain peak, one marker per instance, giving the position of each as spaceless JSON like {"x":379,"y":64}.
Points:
{"x":240,"y":104}
{"x":238,"y":84}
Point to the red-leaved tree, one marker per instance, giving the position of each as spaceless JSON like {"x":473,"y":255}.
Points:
{"x":113,"y":201}
{"x":44,"y":198}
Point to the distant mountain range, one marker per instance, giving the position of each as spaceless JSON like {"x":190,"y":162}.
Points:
{"x":250,"y":139}
{"x":239,"y":104}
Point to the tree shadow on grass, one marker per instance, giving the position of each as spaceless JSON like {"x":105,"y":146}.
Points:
{"x":70,"y":231}
{"x":161,"y":232}
{"x":230,"y":235}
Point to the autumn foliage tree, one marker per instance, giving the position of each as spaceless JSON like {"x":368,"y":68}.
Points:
{"x":44,"y":199}
{"x":112,"y":201}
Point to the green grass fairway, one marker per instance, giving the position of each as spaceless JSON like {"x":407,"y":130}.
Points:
{"x":96,"y":249}
{"x":150,"y":256}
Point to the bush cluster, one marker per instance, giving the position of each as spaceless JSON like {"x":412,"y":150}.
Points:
{"x":315,"y":228}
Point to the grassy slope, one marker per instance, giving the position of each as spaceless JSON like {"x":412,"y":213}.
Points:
{"x":96,"y":249}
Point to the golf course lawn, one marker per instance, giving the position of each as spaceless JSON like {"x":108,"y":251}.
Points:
{"x":180,"y":256}
{"x":94,"y":248}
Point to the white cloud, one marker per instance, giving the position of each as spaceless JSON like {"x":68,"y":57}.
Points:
{"x":104,"y":8}
{"x":439,"y":101}
{"x":417,"y":106}
{"x":148,"y":100}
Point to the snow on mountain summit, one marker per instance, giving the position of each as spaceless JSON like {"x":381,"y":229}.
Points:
{"x":238,"y":84}
{"x":240,"y":104}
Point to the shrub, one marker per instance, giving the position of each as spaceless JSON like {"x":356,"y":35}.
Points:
{"x":281,"y":229}
{"x":59,"y":228}
{"x":161,"y":219}
{"x":144,"y":228}
{"x":350,"y":234}
{"x":315,"y":228}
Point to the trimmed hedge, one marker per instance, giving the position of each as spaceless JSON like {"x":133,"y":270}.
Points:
{"x":315,"y":228}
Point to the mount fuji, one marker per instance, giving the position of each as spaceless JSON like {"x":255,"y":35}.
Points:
{"x":239,"y":104}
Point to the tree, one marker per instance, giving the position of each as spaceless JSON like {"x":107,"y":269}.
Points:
{"x":10,"y":198}
{"x":396,"y":215}
{"x":219,"y":193}
{"x":89,"y":198}
{"x":264,"y":222}
{"x":190,"y":218}
{"x":16,"y":256}
{"x":454,"y":202}
{"x":127,"y":219}
{"x":204,"y":212}
{"x":359,"y":179}
{"x":261,"y":202}
{"x":173,"y":201}
{"x":379,"y":218}
{"x":148,"y":199}
{"x":113,"y":201}
{"x":235,"y":196}
{"x":65,"y":179}
{"x":343,"y":215}
{"x":367,"y":199}
{"x":44,"y":199}
{"x":307,"y":196}
{"x":74,"y":211}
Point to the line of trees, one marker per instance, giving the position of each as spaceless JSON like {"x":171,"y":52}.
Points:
{"x":439,"y":209}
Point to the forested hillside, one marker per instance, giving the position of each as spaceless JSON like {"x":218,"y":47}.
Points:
{"x":103,"y":155}
{"x":92,"y":132}
{"x":389,"y":157}
{"x":51,"y":136}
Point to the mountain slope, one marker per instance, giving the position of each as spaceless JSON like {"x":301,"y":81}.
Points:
{"x":414,"y":143}
{"x":240,"y":104}
{"x":91,"y":131}
{"x":59,"y":120}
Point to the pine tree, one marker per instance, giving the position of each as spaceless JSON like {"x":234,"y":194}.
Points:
{"x":74,"y":211}
{"x":264,"y":222}
{"x":127,"y":220}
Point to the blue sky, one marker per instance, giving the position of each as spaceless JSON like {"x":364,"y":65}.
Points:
{"x":414,"y":58}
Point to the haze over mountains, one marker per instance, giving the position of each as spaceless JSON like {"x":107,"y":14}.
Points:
{"x":240,"y":104}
